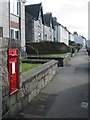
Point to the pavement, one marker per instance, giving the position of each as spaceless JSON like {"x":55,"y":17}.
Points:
{"x":66,"y":96}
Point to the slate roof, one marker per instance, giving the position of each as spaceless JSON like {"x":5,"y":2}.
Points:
{"x":34,"y":10}
{"x":55,"y":23}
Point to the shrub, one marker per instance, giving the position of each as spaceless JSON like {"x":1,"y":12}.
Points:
{"x":79,"y":46}
{"x":71,"y":43}
{"x":73,"y":49}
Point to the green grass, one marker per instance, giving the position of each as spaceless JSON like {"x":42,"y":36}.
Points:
{"x":28,"y":66}
{"x":53,"y":55}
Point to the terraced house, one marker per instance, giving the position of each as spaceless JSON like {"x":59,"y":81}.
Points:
{"x":56,"y":26}
{"x":79,"y":39}
{"x":34,"y":22}
{"x":71,"y":36}
{"x":61,"y":34}
{"x":4,"y":19}
{"x":48,"y":28}
{"x":89,"y":20}
{"x":44,"y":27}
{"x":12,"y":23}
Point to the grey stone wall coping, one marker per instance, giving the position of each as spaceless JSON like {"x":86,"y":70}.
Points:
{"x":29,"y":74}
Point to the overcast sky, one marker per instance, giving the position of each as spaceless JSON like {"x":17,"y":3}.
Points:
{"x":72,"y":14}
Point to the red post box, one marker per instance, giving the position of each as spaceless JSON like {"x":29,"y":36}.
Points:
{"x":13,"y":70}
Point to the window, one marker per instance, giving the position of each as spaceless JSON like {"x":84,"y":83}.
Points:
{"x":39,"y":35}
{"x":45,"y":37}
{"x":18,"y":8}
{"x":50,"y":28}
{"x":15,"y":7}
{"x":12,"y":33}
{"x":1,"y":31}
{"x":50,"y":37}
{"x":15,"y":34}
{"x":39,"y":21}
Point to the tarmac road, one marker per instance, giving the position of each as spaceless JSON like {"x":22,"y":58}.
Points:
{"x":66,"y":96}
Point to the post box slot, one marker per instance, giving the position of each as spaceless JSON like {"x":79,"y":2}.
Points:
{"x":13,"y":67}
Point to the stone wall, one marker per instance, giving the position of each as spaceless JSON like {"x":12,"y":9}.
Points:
{"x":0,"y":78}
{"x":31,"y":83}
{"x":4,"y":76}
{"x":66,"y":59}
{"x":6,"y":44}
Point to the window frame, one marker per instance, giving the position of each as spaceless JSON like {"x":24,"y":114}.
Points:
{"x":15,"y":7}
{"x":15,"y":31}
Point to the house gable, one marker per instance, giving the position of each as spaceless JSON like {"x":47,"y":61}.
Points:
{"x":35,"y":11}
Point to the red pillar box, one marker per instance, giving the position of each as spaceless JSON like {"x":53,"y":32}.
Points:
{"x":13,"y":70}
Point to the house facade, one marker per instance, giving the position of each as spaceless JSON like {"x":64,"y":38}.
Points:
{"x":4,"y":19}
{"x":79,"y":39}
{"x":71,"y":36}
{"x":57,"y":31}
{"x":34,"y":22}
{"x":17,"y":20}
{"x":13,"y":19}
{"x":89,"y":20}
{"x":64,"y":37}
{"x":48,"y":29}
{"x":61,"y":34}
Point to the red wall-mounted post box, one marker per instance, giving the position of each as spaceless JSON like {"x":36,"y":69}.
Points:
{"x":13,"y":69}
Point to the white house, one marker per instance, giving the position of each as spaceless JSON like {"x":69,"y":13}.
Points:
{"x":12,"y":19}
{"x":64,"y":37}
{"x":48,"y":29}
{"x":4,"y":19}
{"x":17,"y":20}
{"x":34,"y":22}
{"x":57,"y":31}
{"x":89,"y":20}
{"x":71,"y":37}
{"x":61,"y":34}
{"x":79,"y":39}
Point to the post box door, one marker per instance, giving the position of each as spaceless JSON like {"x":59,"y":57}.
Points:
{"x":13,"y":70}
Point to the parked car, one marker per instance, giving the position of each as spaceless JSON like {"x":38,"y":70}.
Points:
{"x":88,"y":46}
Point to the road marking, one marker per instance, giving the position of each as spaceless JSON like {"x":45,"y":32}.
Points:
{"x":84,"y":105}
